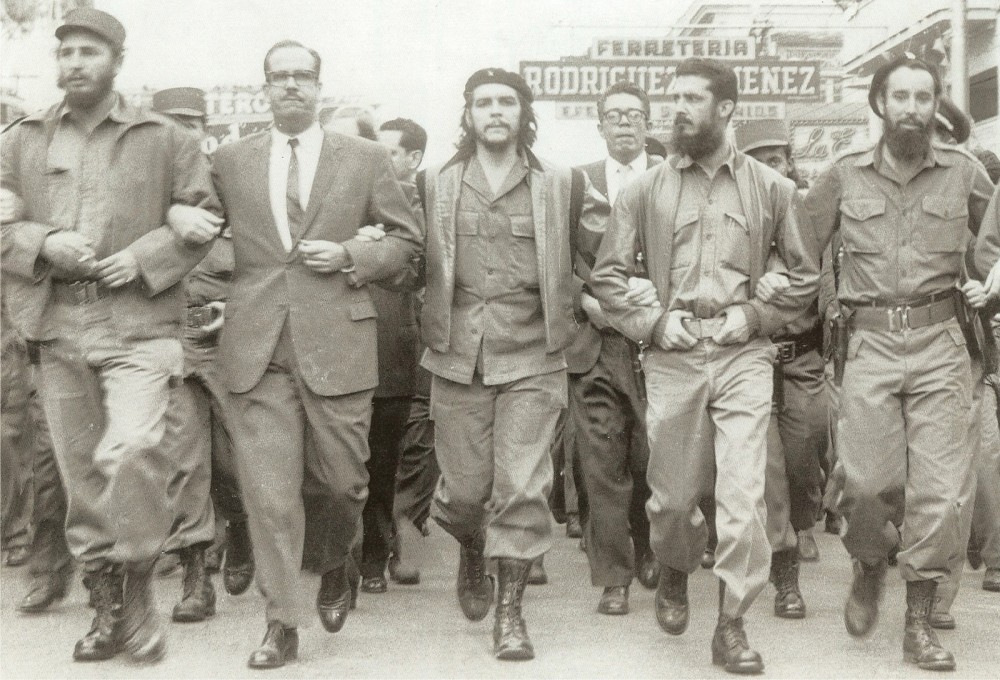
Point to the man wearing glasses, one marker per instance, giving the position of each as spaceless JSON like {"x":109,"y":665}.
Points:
{"x":298,"y":347}
{"x":606,"y":394}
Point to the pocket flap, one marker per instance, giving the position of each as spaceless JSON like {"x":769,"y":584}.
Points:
{"x":363,"y":310}
{"x":523,"y":226}
{"x":687,"y":218}
{"x":739,"y":219}
{"x":944,"y":207}
{"x":956,"y":335}
{"x":863,"y":208}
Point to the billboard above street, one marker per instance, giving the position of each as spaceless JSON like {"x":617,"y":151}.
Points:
{"x":673,"y":48}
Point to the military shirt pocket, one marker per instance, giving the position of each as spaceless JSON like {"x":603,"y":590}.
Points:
{"x":360,"y":311}
{"x":467,"y":223}
{"x":524,"y":272}
{"x":860,"y":225}
{"x":942,"y":228}
{"x":736,"y":235}
{"x":684,"y":235}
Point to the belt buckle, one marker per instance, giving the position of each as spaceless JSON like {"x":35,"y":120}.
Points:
{"x":786,"y":351}
{"x":899,"y":318}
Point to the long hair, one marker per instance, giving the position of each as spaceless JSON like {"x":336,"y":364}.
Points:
{"x":527,"y":130}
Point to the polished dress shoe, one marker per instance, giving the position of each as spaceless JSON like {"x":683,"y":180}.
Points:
{"x":280,"y":645}
{"x":731,"y":650}
{"x":333,"y":601}
{"x":648,"y":570}
{"x":237,"y":572}
{"x":17,"y":556}
{"x":374,"y":584}
{"x":671,"y":601}
{"x":573,"y":528}
{"x":991,"y":580}
{"x":537,"y":576}
{"x":920,"y":643}
{"x":103,"y":639}
{"x":473,"y":586}
{"x":861,"y":610}
{"x":44,"y":590}
{"x":614,"y":601}
{"x":808,"y":550}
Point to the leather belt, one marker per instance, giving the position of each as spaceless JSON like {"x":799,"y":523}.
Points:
{"x":918,"y":314}
{"x":703,"y":328}
{"x":791,"y":347}
{"x":80,"y":292}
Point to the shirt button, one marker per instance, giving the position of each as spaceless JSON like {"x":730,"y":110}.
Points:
{"x":708,"y":237}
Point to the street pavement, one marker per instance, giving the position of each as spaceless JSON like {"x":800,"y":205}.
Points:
{"x":419,"y":632}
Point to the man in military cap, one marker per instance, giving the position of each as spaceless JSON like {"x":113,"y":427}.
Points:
{"x":497,"y":315}
{"x":904,"y":209}
{"x":793,"y":492}
{"x":199,"y":415}
{"x":94,"y":276}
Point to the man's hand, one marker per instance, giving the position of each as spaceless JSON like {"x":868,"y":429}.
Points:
{"x":675,"y":336}
{"x":118,"y":269}
{"x":324,"y":257}
{"x":734,"y":329}
{"x":370,"y":233}
{"x":71,"y":253}
{"x":771,"y":285}
{"x":641,"y":293}
{"x":592,"y":308}
{"x":11,"y":206}
{"x":992,"y":283}
{"x":975,"y":293}
{"x":192,"y":224}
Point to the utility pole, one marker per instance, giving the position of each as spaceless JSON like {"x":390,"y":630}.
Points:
{"x":959,"y":56}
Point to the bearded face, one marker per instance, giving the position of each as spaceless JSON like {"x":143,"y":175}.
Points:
{"x":699,"y":127}
{"x":908,"y":107}
{"x":87,"y":68}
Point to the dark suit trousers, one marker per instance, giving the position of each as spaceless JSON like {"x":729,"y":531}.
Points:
{"x":389,"y":416}
{"x":271,"y":425}
{"x":614,"y":452}
{"x":418,"y":472}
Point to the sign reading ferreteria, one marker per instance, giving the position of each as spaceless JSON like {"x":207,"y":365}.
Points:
{"x":673,"y":48}
{"x":758,"y":80}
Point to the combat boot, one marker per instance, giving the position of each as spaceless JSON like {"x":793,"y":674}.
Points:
{"x":510,"y":635}
{"x":861,"y":610}
{"x":730,"y":647}
{"x":103,"y":640}
{"x":788,"y":602}
{"x":920,"y":642}
{"x":142,"y":636}
{"x":671,"y":601}
{"x":238,"y":570}
{"x":198,"y":598}
{"x":474,"y":587}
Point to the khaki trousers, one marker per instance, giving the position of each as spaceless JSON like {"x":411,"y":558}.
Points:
{"x":905,"y":414}
{"x":708,"y":412}
{"x":492,"y":444}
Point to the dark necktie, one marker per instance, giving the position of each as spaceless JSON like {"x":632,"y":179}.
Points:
{"x":292,"y":193}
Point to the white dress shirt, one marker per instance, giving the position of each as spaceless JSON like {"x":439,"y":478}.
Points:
{"x":310,"y":144}
{"x":619,"y":175}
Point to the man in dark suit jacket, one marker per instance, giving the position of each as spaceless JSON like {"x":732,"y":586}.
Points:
{"x":299,"y":342}
{"x":606,"y":399}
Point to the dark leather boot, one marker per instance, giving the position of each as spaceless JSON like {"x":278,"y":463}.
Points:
{"x":647,"y":569}
{"x":279,"y":646}
{"x":103,"y":640}
{"x":198,"y":599}
{"x":861,"y":610}
{"x":143,"y":638}
{"x":474,"y":587}
{"x":614,"y":601}
{"x":510,"y":636}
{"x":672,"y":601}
{"x":731,"y":649}
{"x":788,"y":602}
{"x":46,"y":589}
{"x":333,"y":602}
{"x":237,"y":573}
{"x":920,"y":642}
{"x":537,"y":576}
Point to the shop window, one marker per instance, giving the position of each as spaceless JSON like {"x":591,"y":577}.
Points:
{"x":983,"y":95}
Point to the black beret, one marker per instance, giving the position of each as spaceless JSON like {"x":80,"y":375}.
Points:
{"x":94,"y":21}
{"x":498,"y":75}
{"x":905,"y":59}
{"x":953,"y":120}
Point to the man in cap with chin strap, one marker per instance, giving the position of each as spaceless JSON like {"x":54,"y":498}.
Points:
{"x":497,"y":315}
{"x":94,"y":276}
{"x":904,"y":209}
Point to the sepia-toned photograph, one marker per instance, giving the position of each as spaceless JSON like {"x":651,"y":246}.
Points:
{"x":525,"y":339}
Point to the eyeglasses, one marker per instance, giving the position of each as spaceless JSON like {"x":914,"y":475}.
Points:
{"x":300,"y":77}
{"x":615,"y":116}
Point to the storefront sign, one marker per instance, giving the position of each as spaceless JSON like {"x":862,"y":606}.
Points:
{"x":673,"y":48}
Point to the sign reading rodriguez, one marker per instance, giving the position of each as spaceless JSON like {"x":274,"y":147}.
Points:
{"x":573,"y":80}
